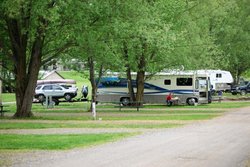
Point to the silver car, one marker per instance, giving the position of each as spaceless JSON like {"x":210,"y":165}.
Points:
{"x":56,"y":91}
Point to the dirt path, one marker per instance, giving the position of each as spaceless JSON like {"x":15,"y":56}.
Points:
{"x":221,"y":142}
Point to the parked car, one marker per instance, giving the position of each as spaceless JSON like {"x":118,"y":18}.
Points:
{"x":56,"y":91}
{"x":244,"y":89}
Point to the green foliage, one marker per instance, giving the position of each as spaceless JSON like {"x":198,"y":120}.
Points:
{"x":235,"y":38}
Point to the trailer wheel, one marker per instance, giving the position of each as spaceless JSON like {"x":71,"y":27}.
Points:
{"x":191,"y":101}
{"x":125,"y":101}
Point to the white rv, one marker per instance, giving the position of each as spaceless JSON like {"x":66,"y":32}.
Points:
{"x":220,"y":80}
{"x":187,"y":87}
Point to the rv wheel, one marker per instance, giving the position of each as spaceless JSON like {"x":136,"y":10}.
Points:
{"x":125,"y":101}
{"x":191,"y":101}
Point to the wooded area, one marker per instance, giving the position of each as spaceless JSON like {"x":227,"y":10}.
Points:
{"x":125,"y":36}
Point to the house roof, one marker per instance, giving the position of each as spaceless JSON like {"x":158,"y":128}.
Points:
{"x":52,"y":75}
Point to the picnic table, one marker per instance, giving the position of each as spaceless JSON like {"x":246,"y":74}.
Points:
{"x":136,"y":105}
{"x":2,"y":111}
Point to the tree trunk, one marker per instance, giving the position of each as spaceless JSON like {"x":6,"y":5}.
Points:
{"x":0,"y":80}
{"x":92,"y":78}
{"x":128,"y":72}
{"x":94,"y":84}
{"x":25,"y":88}
{"x":130,"y":85}
{"x":140,"y":87}
{"x":26,"y":68}
{"x":26,"y":81}
{"x":140,"y":79}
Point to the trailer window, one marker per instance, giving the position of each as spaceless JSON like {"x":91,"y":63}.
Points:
{"x":167,"y":82}
{"x":184,"y":82}
{"x":218,"y":75}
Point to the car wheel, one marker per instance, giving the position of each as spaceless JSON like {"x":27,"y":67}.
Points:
{"x":191,"y":101}
{"x":41,"y":98}
{"x":53,"y":102}
{"x":56,"y":101}
{"x":67,"y":97}
{"x":243,"y":92}
{"x":125,"y":101}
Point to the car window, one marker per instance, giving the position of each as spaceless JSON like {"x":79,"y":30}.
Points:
{"x":47,"y":87}
{"x":66,"y":86}
{"x":38,"y":87}
{"x":55,"y":87}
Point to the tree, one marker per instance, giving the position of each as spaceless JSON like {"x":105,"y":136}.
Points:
{"x":220,"y":35}
{"x":32,"y":33}
{"x":93,"y":39}
{"x":146,"y":33}
{"x":234,"y":38}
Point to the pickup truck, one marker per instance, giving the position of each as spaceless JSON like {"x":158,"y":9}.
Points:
{"x":243,"y":90}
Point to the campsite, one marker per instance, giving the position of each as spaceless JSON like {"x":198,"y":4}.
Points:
{"x":145,"y":83}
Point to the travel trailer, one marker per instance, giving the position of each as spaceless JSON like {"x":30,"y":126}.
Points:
{"x":188,"y":87}
{"x":220,"y":80}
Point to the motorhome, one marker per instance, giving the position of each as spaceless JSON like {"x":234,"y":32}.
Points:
{"x":188,"y":87}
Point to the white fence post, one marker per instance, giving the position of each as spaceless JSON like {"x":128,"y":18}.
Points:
{"x":94,"y":110}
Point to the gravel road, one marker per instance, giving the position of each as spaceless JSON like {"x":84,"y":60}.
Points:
{"x":221,"y":142}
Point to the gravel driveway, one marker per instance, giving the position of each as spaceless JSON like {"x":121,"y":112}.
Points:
{"x":221,"y":142}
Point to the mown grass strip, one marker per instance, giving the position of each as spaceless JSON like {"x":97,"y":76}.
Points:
{"x":237,"y":104}
{"x":56,"y":142}
{"x":99,"y":124}
{"x":164,"y":117}
{"x":136,"y":117}
{"x":124,"y":117}
{"x":79,"y":107}
{"x":160,"y":111}
{"x":142,"y":111}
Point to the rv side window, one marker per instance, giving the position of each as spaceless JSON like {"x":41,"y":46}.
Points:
{"x":184,"y":82}
{"x":167,"y":82}
{"x":218,"y":75}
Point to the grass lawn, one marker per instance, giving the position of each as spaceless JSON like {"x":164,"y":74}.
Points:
{"x":8,"y":97}
{"x":98,"y":124}
{"x":215,"y":104}
{"x":75,"y":115}
{"x":229,"y":95}
{"x":56,"y":142}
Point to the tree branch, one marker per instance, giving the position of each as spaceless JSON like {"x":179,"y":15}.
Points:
{"x":58,"y":51}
